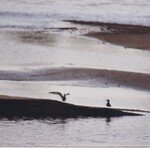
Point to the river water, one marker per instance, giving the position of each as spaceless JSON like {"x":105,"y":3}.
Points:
{"x":39,"y":13}
{"x":21,"y":51}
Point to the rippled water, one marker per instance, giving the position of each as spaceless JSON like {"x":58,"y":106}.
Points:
{"x":26,"y":46}
{"x":75,"y":132}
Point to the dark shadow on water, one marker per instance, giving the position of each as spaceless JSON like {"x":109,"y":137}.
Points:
{"x":51,"y":121}
{"x":45,"y":120}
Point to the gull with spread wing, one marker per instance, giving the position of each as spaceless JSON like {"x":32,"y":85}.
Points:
{"x":63,"y":96}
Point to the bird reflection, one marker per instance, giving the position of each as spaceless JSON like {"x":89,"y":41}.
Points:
{"x":52,"y":121}
{"x":108,"y":120}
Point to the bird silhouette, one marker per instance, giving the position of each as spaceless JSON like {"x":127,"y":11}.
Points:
{"x":108,"y":103}
{"x":63,"y":96}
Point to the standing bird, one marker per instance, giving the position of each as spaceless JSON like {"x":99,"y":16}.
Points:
{"x":63,"y":97}
{"x":108,"y":103}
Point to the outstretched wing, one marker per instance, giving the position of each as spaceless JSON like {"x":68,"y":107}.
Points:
{"x":57,"y":93}
{"x":67,"y":94}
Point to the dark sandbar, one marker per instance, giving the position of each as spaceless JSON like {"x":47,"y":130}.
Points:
{"x":38,"y":108}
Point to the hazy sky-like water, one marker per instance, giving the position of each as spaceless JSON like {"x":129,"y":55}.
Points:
{"x":45,"y":13}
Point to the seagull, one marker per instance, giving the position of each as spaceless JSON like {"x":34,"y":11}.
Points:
{"x":108,"y":103}
{"x":63,"y":96}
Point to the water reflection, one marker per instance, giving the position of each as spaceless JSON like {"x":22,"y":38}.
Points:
{"x":51,"y":121}
{"x":108,"y":120}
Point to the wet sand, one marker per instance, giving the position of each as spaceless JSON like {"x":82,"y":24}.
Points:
{"x":129,"y":36}
{"x":11,"y":107}
{"x":102,"y":77}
